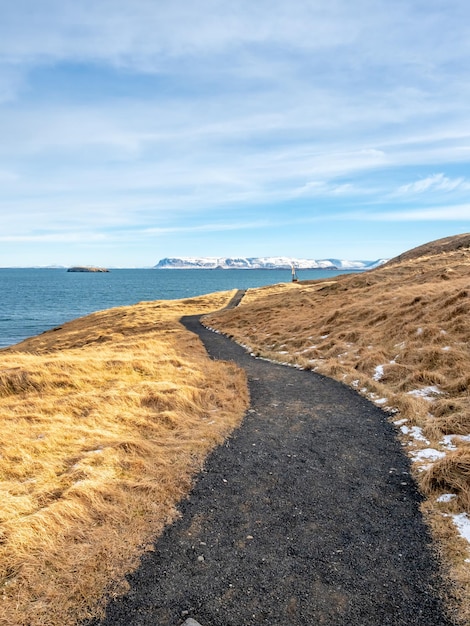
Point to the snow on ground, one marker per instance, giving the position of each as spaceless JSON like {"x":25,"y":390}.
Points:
{"x":427,"y":393}
{"x":427,"y":454}
{"x":462,"y":521}
{"x":416,"y":432}
{"x":446,"y":497}
{"x":424,"y":457}
{"x":448,"y":443}
{"x":309,"y":349}
{"x":400,"y":422}
{"x":380,"y":401}
{"x":379,"y":372}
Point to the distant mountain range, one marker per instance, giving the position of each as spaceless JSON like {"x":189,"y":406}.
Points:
{"x":269,"y":263}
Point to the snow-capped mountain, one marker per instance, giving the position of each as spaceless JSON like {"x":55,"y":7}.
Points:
{"x":256,"y":263}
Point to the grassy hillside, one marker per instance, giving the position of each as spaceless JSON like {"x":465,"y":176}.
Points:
{"x":400,"y":335}
{"x":104,"y":423}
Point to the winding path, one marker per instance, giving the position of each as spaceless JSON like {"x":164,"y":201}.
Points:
{"x":306,"y":516}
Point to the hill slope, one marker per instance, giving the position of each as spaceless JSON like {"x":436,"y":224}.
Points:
{"x":433,"y":248}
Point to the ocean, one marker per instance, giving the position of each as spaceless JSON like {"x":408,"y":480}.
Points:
{"x":35,"y":300}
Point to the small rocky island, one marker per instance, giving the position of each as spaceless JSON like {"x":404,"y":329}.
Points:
{"x":80,"y":268}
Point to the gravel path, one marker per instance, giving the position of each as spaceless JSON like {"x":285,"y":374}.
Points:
{"x":306,"y":516}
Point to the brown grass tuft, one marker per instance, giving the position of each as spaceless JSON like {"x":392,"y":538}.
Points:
{"x":450,"y":475}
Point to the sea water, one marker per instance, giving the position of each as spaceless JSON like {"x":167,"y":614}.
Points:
{"x":35,"y":300}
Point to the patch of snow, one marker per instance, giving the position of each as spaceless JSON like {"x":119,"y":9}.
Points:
{"x":419,"y":331}
{"x":427,"y":454}
{"x":379,"y":372}
{"x":375,"y":398}
{"x":400,"y":422}
{"x":415,"y":432}
{"x":446,"y":497}
{"x":447,"y":442}
{"x":426,"y":393}
{"x":324,"y":336}
{"x":381,"y":400}
{"x":462,"y":521}
{"x":355,"y":383}
{"x":446,"y":348}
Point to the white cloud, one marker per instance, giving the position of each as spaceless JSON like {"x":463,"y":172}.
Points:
{"x":447,"y":213}
{"x":62,"y":237}
{"x":68,"y":234}
{"x":338,"y":39}
{"x":138,"y":31}
{"x":435,"y":182}
{"x":113,"y":29}
{"x":207,"y":227}
{"x":323,"y":188}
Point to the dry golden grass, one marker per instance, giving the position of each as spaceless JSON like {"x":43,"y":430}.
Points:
{"x":104,"y":423}
{"x":399,"y":335}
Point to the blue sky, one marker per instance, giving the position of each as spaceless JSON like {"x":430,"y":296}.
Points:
{"x":132,"y":130}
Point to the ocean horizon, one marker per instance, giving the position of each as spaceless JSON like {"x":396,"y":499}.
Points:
{"x":37,"y":299}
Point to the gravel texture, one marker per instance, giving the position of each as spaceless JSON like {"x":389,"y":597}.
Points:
{"x":306,"y":516}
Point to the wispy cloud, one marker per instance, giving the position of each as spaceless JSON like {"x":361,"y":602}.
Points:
{"x":61,"y":238}
{"x":435,"y":182}
{"x":449,"y":213}
{"x":322,"y":188}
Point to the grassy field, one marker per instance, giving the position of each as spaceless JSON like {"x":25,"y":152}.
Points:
{"x":400,"y":336}
{"x":105,"y":421}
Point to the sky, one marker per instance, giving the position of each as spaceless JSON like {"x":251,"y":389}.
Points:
{"x":133,"y":130}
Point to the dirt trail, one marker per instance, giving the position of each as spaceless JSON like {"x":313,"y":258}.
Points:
{"x":306,"y":516}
